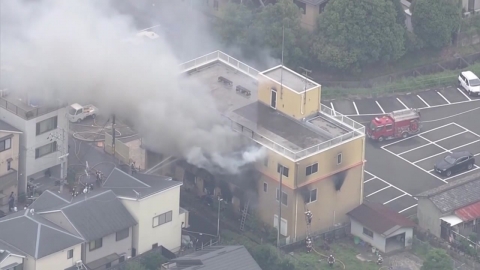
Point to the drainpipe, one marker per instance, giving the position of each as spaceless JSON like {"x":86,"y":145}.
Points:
{"x":296,"y":201}
{"x":362,"y":177}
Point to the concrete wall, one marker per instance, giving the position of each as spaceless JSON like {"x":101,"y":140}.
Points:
{"x":53,"y":261}
{"x":29,"y":141}
{"x":12,"y":259}
{"x":110,"y":245}
{"x":429,"y":216}
{"x":309,"y":19}
{"x":168,"y":234}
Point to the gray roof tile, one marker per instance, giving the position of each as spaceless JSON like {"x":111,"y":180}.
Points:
{"x":99,"y":216}
{"x":217,"y":258}
{"x":456,"y":194}
{"x":48,"y":201}
{"x":7,"y":127}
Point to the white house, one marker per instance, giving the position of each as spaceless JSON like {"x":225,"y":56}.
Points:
{"x":39,"y":150}
{"x":381,"y":227}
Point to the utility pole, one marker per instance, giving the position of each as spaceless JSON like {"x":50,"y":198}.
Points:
{"x":113,"y":135}
{"x":63,"y":148}
{"x":219,"y":201}
{"x":280,"y":196}
{"x":281,"y":70}
{"x":306,"y":72}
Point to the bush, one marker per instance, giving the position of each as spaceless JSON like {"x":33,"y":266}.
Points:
{"x":135,"y":266}
{"x":153,"y":261}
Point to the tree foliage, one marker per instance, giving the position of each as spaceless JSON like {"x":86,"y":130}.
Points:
{"x":234,"y":24}
{"x":351,"y":34}
{"x":135,"y":266}
{"x":437,"y":259}
{"x":267,"y":258}
{"x":436,"y":21}
{"x":153,"y":261}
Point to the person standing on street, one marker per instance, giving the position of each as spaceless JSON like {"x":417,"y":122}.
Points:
{"x":11,"y":201}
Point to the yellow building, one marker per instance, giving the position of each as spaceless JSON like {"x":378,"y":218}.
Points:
{"x":322,"y":152}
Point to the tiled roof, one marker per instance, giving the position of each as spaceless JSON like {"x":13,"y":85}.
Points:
{"x":379,"y":218}
{"x":8,"y":128}
{"x":456,"y":194}
{"x":469,"y":212}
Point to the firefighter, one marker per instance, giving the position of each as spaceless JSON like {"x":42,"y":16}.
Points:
{"x":331,"y":260}
{"x":379,"y":260}
{"x":309,"y":244}
{"x":309,"y":216}
{"x":134,"y":170}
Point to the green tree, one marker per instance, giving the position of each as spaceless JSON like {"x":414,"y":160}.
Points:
{"x":135,"y":266}
{"x":268,"y":28}
{"x":267,"y":258}
{"x":400,"y":12}
{"x":351,"y":34}
{"x":435,"y":22}
{"x":234,"y":24}
{"x":437,"y":259}
{"x":152,"y":261}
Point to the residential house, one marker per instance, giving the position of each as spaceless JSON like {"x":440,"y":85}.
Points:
{"x":92,"y":230}
{"x":154,"y":202}
{"x":316,"y":153}
{"x":215,"y":257}
{"x":44,"y":130}
{"x":470,"y":7}
{"x":9,"y":156}
{"x":10,"y":257}
{"x":381,"y":227}
{"x":452,"y":209}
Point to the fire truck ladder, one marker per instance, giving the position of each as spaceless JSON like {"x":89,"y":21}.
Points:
{"x":244,"y":214}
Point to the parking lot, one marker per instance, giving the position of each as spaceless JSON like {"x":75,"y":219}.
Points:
{"x":380,"y":191}
{"x":381,"y":105}
{"x":425,"y":149}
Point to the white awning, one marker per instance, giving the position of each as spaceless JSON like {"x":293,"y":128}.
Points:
{"x":452,"y":220}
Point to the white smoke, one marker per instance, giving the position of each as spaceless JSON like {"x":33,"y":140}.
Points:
{"x":75,"y":51}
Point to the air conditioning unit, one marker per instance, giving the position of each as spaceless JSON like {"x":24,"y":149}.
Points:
{"x":79,"y":263}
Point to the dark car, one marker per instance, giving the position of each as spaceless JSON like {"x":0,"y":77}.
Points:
{"x":455,"y":162}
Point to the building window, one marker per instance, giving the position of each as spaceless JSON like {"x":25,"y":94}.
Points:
{"x":367,"y":232}
{"x":339,"y":159}
{"x":70,"y":254}
{"x":45,"y":150}
{"x":120,"y":235}
{"x":46,"y":125}
{"x":301,"y":6}
{"x":321,"y":8}
{"x":96,"y":244}
{"x":5,"y":144}
{"x":9,"y":164}
{"x":311,"y":169}
{"x":284,"y":197}
{"x":162,"y":219}
{"x":313,"y":196}
{"x":108,"y":265}
{"x":265,"y":187}
{"x":285,"y":170}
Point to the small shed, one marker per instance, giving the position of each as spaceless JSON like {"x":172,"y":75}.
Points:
{"x":381,"y":227}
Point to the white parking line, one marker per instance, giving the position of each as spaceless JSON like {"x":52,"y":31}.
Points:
{"x":378,"y":104}
{"x":375,"y":192}
{"x":355,"y":106}
{"x":460,"y":126}
{"x":440,"y":94}
{"x":333,"y":108}
{"x":413,"y":149}
{"x":402,"y":103}
{"x":394,"y":199}
{"x":464,"y":94}
{"x":419,"y":97}
{"x":445,"y":149}
{"x":397,"y":141}
{"x":459,"y":174}
{"x":366,"y":181}
{"x":463,"y":145}
{"x":408,"y":208}
{"x":401,"y":190}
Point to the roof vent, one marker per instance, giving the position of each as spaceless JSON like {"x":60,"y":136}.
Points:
{"x":2,"y":251}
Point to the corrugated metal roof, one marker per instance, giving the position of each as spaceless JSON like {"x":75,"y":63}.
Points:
{"x":469,"y":212}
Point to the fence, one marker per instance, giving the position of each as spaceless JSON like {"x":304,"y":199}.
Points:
{"x":122,"y":151}
{"x":422,"y":248}
{"x":336,"y":232}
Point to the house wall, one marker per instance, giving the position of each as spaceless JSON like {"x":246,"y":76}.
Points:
{"x":29,"y":141}
{"x":309,"y":19}
{"x":110,"y":245}
{"x":429,"y":216}
{"x":168,"y":234}
{"x":377,"y":241}
{"x":134,"y":209}
{"x":11,"y":260}
{"x":56,"y":260}
{"x":12,"y":153}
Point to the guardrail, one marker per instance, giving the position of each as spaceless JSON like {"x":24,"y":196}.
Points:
{"x":26,"y":114}
{"x":222,"y":57}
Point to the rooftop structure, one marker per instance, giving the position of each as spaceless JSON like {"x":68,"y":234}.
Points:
{"x":25,"y":107}
{"x":235,"y":87}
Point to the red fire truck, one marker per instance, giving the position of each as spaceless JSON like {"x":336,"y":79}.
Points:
{"x":397,"y":124}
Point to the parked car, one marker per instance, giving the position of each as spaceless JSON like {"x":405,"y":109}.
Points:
{"x":455,"y":162}
{"x":469,"y":82}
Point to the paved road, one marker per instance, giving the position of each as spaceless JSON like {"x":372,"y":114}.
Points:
{"x":425,"y":99}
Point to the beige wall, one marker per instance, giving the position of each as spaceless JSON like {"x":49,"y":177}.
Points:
{"x":168,"y":234}
{"x":110,"y":245}
{"x":429,"y":216}
{"x":270,"y":171}
{"x":290,"y":102}
{"x":309,"y":19}
{"x":56,"y":260}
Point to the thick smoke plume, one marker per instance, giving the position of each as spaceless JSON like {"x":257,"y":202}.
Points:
{"x":76,"y":51}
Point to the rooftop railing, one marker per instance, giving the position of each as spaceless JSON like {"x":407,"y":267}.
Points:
{"x":24,"y":113}
{"x":222,"y":57}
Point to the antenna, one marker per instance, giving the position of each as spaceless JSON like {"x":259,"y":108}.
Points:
{"x":306,"y":72}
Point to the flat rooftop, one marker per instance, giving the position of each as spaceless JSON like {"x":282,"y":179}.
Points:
{"x":292,"y":80}
{"x":288,"y":136}
{"x":19,"y":105}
